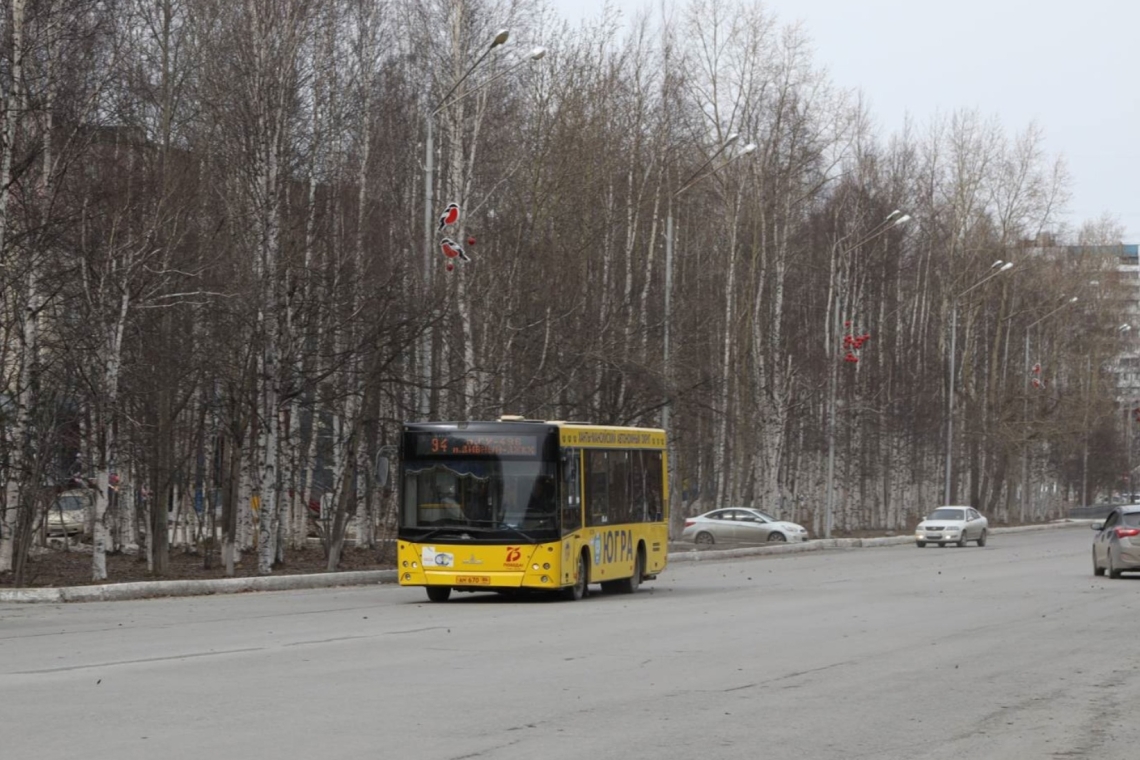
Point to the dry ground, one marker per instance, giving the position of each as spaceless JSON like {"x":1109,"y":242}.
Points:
{"x":57,"y":567}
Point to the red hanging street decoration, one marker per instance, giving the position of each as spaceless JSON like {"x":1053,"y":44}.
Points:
{"x":470,"y":241}
{"x":449,"y":216}
{"x":852,"y":343}
{"x":450,"y":267}
{"x":453,"y":250}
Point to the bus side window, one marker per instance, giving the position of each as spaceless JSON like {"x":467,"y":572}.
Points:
{"x":597,"y":488}
{"x":654,"y":486}
{"x":637,"y":497}
{"x":621,"y":508}
{"x":571,"y":492}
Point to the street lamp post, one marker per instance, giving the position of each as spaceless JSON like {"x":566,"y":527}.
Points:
{"x":1128,"y":448}
{"x":702,"y":172}
{"x":1131,"y":400}
{"x":1025,"y":410}
{"x":1088,"y":393}
{"x":1084,"y":458}
{"x":499,"y":39}
{"x":894,"y":219}
{"x":1000,"y":266}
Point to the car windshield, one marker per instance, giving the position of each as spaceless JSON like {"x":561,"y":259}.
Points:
{"x":948,"y":514}
{"x":70,"y":503}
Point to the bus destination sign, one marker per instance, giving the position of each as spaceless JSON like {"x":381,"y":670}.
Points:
{"x":475,"y":444}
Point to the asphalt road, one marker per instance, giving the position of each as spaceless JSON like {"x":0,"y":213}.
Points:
{"x":1011,"y":651}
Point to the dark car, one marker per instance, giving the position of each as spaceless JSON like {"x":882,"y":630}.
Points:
{"x":1116,"y":547}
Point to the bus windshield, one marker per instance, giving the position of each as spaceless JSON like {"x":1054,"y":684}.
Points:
{"x":480,"y":495}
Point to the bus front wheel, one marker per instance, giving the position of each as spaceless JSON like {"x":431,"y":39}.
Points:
{"x":578,"y":590}
{"x":439,"y":593}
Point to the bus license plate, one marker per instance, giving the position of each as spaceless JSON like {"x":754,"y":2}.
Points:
{"x":472,"y":580}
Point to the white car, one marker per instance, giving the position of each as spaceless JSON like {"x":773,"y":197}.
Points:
{"x":952,"y":525}
{"x":742,"y":525}
{"x":68,"y":515}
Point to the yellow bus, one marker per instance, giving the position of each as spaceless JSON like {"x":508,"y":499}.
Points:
{"x":518,"y":505}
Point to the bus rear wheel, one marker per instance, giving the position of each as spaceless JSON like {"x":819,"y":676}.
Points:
{"x":578,"y":590}
{"x":630,"y":584}
{"x":439,"y":593}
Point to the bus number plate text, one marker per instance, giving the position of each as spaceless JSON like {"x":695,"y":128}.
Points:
{"x":472,"y":580}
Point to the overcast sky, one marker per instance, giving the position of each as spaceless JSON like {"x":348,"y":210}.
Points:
{"x":1071,"y":67}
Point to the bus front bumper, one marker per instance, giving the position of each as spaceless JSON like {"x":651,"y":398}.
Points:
{"x":474,"y":581}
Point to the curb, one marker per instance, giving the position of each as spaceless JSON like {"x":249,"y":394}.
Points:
{"x":110,"y":592}
{"x":819,"y":544}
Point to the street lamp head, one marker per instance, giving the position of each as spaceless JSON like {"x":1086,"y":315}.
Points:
{"x":996,"y":264}
{"x":893,"y":214}
{"x":1074,"y":299}
{"x":537,"y":53}
{"x":747,"y":149}
{"x":903,"y":219}
{"x":1006,"y":266}
{"x":733,"y":137}
{"x":1124,"y":328}
{"x":500,"y":38}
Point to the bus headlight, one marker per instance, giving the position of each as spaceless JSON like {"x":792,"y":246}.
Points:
{"x":535,"y":567}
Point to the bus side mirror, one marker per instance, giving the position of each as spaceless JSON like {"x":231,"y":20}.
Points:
{"x":383,"y":466}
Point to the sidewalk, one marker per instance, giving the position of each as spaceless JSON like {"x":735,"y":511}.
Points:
{"x":149,"y":589}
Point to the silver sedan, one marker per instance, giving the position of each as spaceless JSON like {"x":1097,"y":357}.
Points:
{"x":741,"y":525}
{"x":1116,"y":546}
{"x":952,"y":525}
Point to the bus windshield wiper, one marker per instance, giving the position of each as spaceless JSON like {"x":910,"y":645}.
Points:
{"x":474,"y":526}
{"x":454,"y":529}
{"x":526,"y":536}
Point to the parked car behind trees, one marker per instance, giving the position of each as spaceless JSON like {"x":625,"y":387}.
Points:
{"x":69,"y":513}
